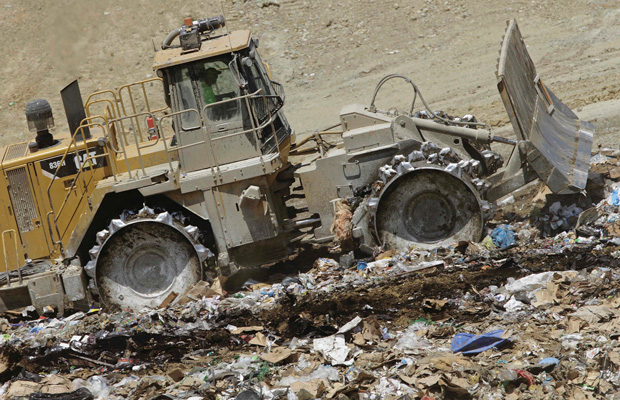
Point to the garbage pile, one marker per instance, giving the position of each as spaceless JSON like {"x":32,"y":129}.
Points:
{"x":531,"y":312}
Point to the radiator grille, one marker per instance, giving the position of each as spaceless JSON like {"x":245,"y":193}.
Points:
{"x":21,"y":197}
{"x":15,"y":151}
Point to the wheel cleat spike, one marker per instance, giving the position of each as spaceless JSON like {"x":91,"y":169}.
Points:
{"x":492,"y":160}
{"x":94,"y":252}
{"x":447,"y":155}
{"x":476,"y":167}
{"x":145,"y":212}
{"x":422,"y":114}
{"x":386,"y":173}
{"x":454,"y":169}
{"x":478,"y":183}
{"x":126,"y":214}
{"x":464,"y":165}
{"x":429,"y":148}
{"x":416,"y":156}
{"x":398,"y":159}
{"x":115,"y":225}
{"x":102,"y":236}
{"x":433,"y":159}
{"x":404,"y":167}
{"x":89,"y":268}
{"x":445,"y":151}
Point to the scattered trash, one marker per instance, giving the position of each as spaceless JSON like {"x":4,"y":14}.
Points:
{"x":424,"y":323}
{"x":334,"y":349}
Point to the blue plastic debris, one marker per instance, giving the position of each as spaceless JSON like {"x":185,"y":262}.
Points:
{"x":468,"y":343}
{"x":615,"y":198}
{"x":548,"y":361}
{"x":503,"y":236}
{"x":361,"y":265}
{"x":385,"y":334}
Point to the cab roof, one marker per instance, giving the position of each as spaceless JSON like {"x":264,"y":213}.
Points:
{"x":226,"y":43}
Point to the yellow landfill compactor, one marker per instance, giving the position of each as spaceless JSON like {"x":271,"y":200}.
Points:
{"x":186,"y":176}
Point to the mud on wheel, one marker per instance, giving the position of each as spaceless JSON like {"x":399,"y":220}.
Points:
{"x":143,"y":258}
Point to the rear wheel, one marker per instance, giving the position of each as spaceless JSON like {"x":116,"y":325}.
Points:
{"x":143,"y":257}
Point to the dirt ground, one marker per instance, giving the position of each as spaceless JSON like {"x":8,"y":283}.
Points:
{"x":326,"y":53}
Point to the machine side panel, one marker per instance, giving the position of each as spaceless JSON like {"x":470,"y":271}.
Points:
{"x":245,"y":211}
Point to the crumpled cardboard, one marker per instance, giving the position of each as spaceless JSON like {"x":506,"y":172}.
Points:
{"x":309,"y":390}
{"x":238,"y":330}
{"x":276,"y":355}
{"x":595,"y":314}
{"x":198,"y":291}
{"x":259,"y":340}
{"x":434,"y":305}
{"x":51,"y":384}
{"x":21,"y":389}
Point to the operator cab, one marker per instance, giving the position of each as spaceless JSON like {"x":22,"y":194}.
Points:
{"x":224,"y":104}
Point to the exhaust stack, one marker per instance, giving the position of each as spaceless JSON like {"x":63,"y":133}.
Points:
{"x":74,"y":109}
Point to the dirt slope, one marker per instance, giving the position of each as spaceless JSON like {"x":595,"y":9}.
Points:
{"x":326,"y":53}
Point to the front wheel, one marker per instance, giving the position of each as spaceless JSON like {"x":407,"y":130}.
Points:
{"x":428,"y":208}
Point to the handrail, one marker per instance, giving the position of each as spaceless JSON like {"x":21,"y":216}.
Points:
{"x":74,"y":149}
{"x":161,"y":135}
{"x":49,"y":225}
{"x":6,"y":256}
{"x":134,"y":112}
{"x":91,"y":103}
{"x":136,"y":141}
{"x":80,"y":129}
{"x":88,"y":159}
{"x":98,"y":93}
{"x":146,"y":98}
{"x":273,"y":133}
{"x":115,"y":103}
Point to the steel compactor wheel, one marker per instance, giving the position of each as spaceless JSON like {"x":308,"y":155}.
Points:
{"x":140,"y":262}
{"x":431,"y":198}
{"x":428,"y":207}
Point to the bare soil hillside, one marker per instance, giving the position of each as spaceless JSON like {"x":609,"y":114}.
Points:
{"x":326,"y":53}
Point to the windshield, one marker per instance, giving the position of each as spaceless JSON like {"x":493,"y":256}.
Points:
{"x":204,"y":83}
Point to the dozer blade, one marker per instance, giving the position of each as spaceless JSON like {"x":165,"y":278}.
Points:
{"x":558,"y":143}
